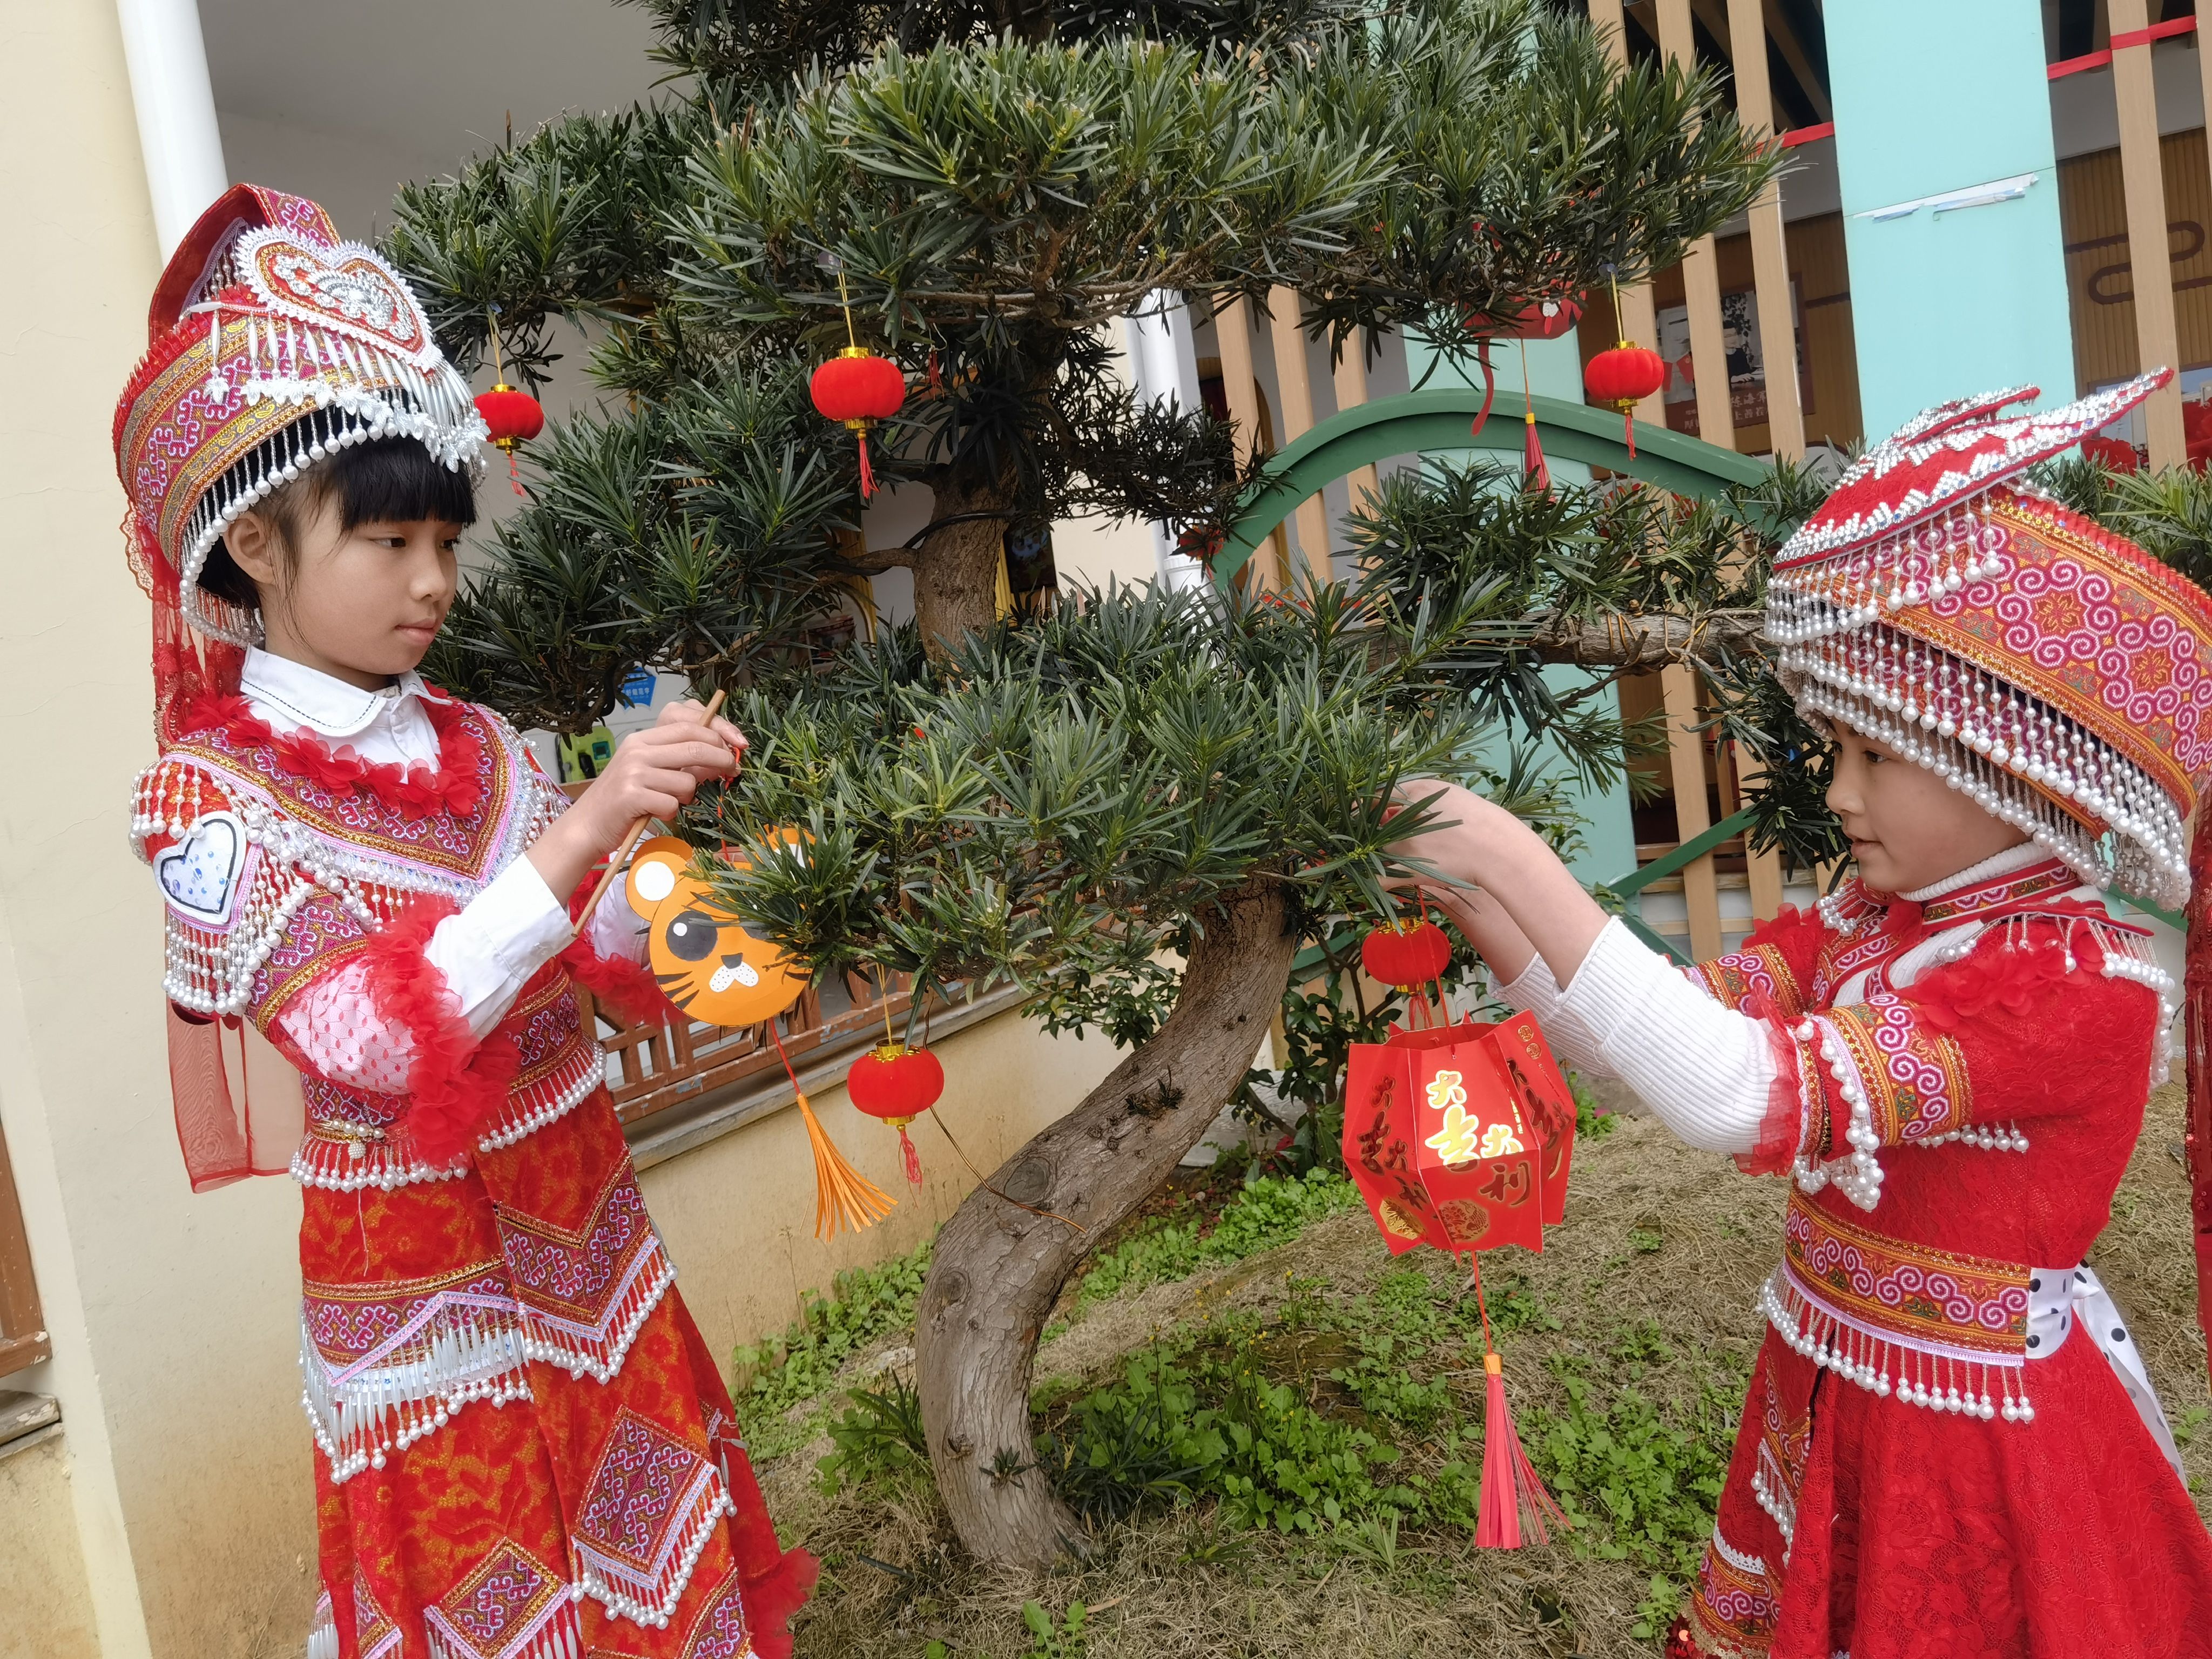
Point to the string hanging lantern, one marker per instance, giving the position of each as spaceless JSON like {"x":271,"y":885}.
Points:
{"x":1623,"y":376}
{"x":513,"y":415}
{"x":857,"y":388}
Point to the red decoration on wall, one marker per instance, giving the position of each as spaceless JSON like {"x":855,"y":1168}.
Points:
{"x":1622,"y":378}
{"x":897,"y":1084}
{"x":857,"y":388}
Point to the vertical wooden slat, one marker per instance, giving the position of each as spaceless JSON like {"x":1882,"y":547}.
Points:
{"x":1351,"y":392}
{"x":1762,"y":870}
{"x":23,"y":1339}
{"x":1296,"y":390}
{"x":1701,"y":272}
{"x":1232,"y":331}
{"x":1770,"y":254}
{"x":2158,"y":343}
{"x":1686,"y":755}
{"x":1639,"y":319}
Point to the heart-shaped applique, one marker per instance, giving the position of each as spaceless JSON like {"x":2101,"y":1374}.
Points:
{"x":347,"y":287}
{"x":199,"y":874}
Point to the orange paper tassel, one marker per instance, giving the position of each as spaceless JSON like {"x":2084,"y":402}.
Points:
{"x":843,"y":1197}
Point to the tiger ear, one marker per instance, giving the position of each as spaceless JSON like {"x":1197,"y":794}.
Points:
{"x":655,"y":872}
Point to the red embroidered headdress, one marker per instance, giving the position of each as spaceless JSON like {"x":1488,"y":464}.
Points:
{"x":2053,"y":671}
{"x":272,"y":343}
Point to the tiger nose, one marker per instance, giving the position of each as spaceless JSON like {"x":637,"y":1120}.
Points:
{"x":735,"y":959}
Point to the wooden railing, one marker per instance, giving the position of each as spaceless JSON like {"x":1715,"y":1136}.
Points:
{"x":656,"y":1068}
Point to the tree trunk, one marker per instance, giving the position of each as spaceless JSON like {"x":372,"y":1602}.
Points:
{"x":997,"y":1268}
{"x":956,"y":571}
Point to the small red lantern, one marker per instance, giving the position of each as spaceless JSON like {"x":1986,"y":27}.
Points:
{"x":897,"y":1084}
{"x":514,"y":417}
{"x":857,"y":387}
{"x":1406,"y":953}
{"x":1623,"y":377}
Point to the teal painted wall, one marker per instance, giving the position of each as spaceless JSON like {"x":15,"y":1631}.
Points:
{"x":1931,"y":98}
{"x":1555,"y":370}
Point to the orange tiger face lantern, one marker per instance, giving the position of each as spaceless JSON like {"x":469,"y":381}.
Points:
{"x":707,"y":961}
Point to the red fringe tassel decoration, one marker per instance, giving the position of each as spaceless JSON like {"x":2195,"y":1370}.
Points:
{"x":913,"y":1159}
{"x":1510,"y":1486}
{"x":867,"y":473}
{"x":1535,"y":474}
{"x":2196,"y":1001}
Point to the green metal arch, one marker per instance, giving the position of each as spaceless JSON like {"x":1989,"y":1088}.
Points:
{"x":1419,"y":421}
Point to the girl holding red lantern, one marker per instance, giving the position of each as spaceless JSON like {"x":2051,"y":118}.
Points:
{"x":1950,"y":1446}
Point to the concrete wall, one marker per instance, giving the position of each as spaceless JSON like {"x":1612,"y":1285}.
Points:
{"x":1933,"y":98}
{"x":42,"y":1582}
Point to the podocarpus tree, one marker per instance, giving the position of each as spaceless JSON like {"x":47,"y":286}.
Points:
{"x":1137,"y":808}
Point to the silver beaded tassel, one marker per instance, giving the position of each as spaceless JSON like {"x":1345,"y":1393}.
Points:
{"x":2010,"y":752}
{"x":1882,"y":1365}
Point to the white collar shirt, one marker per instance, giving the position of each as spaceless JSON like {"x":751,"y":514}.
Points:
{"x":387,"y":726}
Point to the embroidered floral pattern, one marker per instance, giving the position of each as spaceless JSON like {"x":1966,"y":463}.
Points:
{"x":651,"y":1501}
{"x":1732,"y":1612}
{"x":1914,"y":1079}
{"x":1939,"y":1301}
{"x":511,"y":1607}
{"x":1757,"y":970}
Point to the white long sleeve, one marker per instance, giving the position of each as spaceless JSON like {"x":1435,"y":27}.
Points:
{"x":1706,"y":1071}
{"x":1537,"y":991}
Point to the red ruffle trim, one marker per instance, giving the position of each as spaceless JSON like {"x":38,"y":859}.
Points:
{"x":415,"y":792}
{"x":455,"y":1086}
{"x":774,"y":1598}
{"x":2007,"y":979}
{"x":627,"y":989}
{"x":1782,"y":1128}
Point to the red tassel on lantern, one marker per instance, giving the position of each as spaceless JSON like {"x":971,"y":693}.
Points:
{"x":1623,"y":377}
{"x":1510,"y":1485}
{"x":1535,"y":474}
{"x":514,"y":417}
{"x":857,"y":388}
{"x":897,"y":1085}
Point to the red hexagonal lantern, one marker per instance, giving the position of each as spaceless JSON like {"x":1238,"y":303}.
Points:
{"x":1460,"y":1137}
{"x":897,"y":1084}
{"x":857,"y":388}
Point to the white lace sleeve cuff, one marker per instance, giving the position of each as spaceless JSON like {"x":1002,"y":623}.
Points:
{"x":491,"y":947}
{"x":1705,"y":1071}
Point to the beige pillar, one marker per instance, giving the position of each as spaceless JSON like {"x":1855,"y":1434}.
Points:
{"x":1364,"y":481}
{"x":1770,"y":253}
{"x":1686,"y":755}
{"x":2158,"y":339}
{"x":1232,"y":331}
{"x":1295,"y":389}
{"x":1637,"y":321}
{"x":1701,"y":274}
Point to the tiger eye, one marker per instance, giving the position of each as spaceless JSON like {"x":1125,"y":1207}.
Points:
{"x":691,"y":936}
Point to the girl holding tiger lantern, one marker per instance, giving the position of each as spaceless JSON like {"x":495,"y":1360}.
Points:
{"x":525,"y":1449}
{"x":1950,"y":1445}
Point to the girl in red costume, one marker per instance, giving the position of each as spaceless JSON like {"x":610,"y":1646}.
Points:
{"x":1950,"y":1447}
{"x":526,"y":1450}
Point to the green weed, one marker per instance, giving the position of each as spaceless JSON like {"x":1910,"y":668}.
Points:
{"x":866,"y":1305}
{"x":880,"y":1435}
{"x":1272,"y":1210}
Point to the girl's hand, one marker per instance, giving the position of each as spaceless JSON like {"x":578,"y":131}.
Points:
{"x":1463,"y":833}
{"x":654,"y":774}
